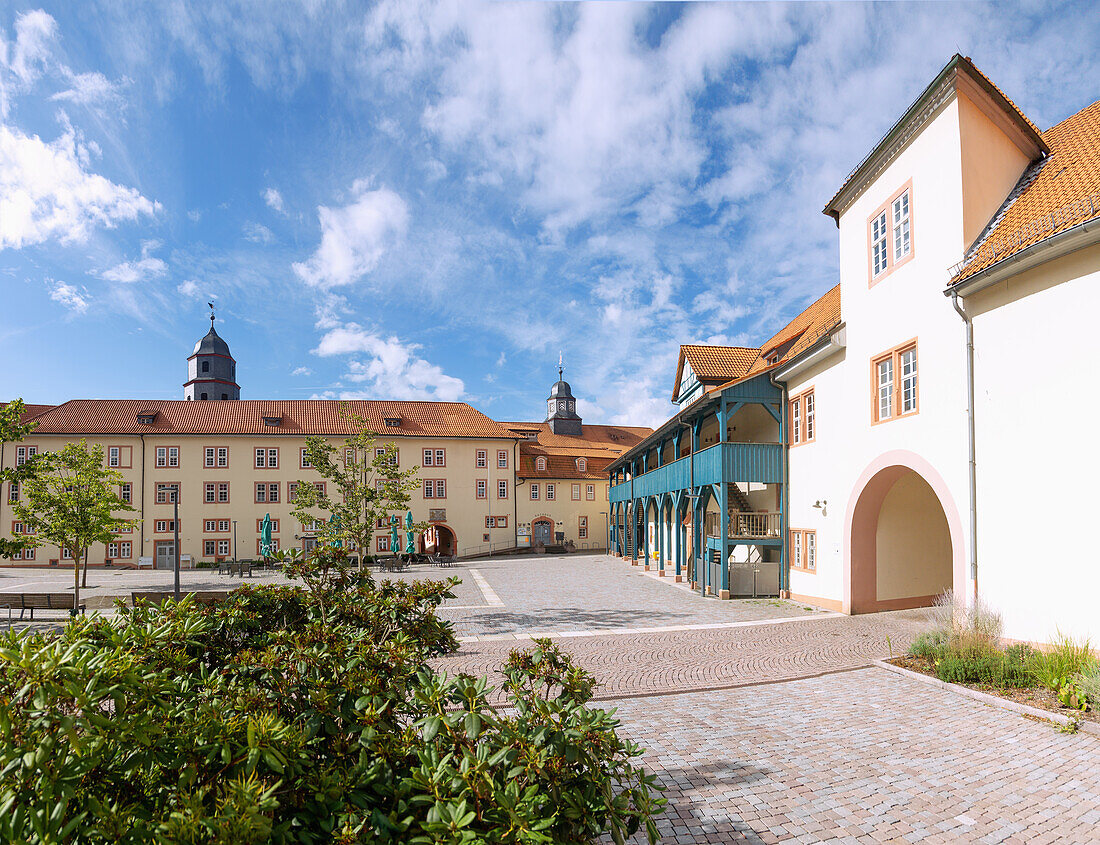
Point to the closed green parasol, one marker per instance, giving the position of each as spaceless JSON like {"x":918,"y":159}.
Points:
{"x":265,"y":536}
{"x":335,"y":523}
{"x":395,"y":535}
{"x":410,"y":546}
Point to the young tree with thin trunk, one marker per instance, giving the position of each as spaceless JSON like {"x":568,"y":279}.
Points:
{"x":12,"y":430}
{"x":72,"y":500}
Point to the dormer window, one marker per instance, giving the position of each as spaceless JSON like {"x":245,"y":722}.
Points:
{"x":582,"y":465}
{"x":393,"y":422}
{"x":540,"y":464}
{"x":273,"y":421}
{"x":146,"y":417}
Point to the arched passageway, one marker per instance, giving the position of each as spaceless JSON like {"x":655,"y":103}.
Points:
{"x":439,"y":539}
{"x":902,"y":553}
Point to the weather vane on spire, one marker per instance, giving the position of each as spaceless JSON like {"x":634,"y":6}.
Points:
{"x":560,"y":365}
{"x":211,"y":304}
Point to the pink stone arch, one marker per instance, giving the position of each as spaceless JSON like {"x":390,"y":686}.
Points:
{"x":871,"y":487}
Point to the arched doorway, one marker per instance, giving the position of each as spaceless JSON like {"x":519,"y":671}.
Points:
{"x":905,"y":537}
{"x":439,"y":539}
{"x":542,"y":531}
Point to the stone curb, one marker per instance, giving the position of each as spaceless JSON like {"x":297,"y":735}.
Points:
{"x":992,"y":700}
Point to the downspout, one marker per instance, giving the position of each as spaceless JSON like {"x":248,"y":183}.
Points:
{"x":141,"y":512}
{"x":971,"y":438}
{"x":784,"y":551}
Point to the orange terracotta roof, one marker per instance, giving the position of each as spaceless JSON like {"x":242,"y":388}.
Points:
{"x":1057,"y":192}
{"x":246,"y":416}
{"x":592,"y":437}
{"x":719,"y":363}
{"x":32,"y":411}
{"x":809,"y":327}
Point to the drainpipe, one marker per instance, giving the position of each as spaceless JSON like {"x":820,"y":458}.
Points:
{"x":971,"y":437}
{"x":784,"y":552}
{"x":141,"y":513}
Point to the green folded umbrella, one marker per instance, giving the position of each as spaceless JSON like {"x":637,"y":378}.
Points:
{"x":265,"y":536}
{"x":335,"y":522}
{"x":410,"y":546}
{"x":395,"y":535}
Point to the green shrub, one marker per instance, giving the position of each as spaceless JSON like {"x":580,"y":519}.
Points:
{"x":929,"y":645}
{"x":1063,"y":659}
{"x":254,"y":721}
{"x":1088,"y":682}
{"x":999,"y":670}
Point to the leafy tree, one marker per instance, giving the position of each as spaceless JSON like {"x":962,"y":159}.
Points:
{"x":12,"y":430}
{"x":363,"y":484}
{"x":72,"y":501}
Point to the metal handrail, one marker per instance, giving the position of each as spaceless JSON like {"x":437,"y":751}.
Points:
{"x":747,"y":525}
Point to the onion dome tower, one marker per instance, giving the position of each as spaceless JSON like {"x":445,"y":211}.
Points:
{"x":561,"y":407}
{"x":211,"y":369}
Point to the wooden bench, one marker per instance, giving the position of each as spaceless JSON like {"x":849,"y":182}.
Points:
{"x":161,"y":596}
{"x":40,"y":601}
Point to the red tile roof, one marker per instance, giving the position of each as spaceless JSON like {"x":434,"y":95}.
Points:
{"x":246,"y":416}
{"x":598,"y":444}
{"x":1058,"y":192}
{"x":32,"y":411}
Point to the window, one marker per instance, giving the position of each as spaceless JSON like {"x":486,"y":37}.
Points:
{"x":382,"y":543}
{"x":575,"y":493}
{"x":223,"y":525}
{"x":482,"y":459}
{"x":164,"y":525}
{"x":113,"y":456}
{"x":901,"y":226}
{"x":223,"y":548}
{"x":304,"y":463}
{"x":802,"y":422}
{"x":223,"y":491}
{"x":66,"y":554}
{"x":209,"y":453}
{"x":128,"y":528}
{"x":534,"y":491}
{"x":168,"y":493}
{"x":496,"y":522}
{"x":260,"y":543}
{"x":890,"y":235}
{"x":502,"y":489}
{"x":582,"y":465}
{"x":112,"y":550}
{"x":482,"y":484}
{"x":291,"y":491}
{"x":210,"y":492}
{"x":223,"y":456}
{"x":17,"y":528}
{"x":349,"y":456}
{"x":435,"y":488}
{"x":24,"y":453}
{"x":126,"y":492}
{"x":206,"y":366}
{"x":395,"y":454}
{"x":804,"y":550}
{"x":502,"y":459}
{"x":210,"y":525}
{"x":435,"y":457}
{"x":550,"y":491}
{"x":582,"y":528}
{"x":590,"y":492}
{"x":119,"y":551}
{"x":878,"y":244}
{"x":261,"y":492}
{"x":209,"y":548}
{"x":24,"y":554}
{"x":319,"y":486}
{"x":540,"y":464}
{"x":13,"y":491}
{"x":273,"y":491}
{"x":274,"y":526}
{"x":894,"y":383}
{"x":168,"y":456}
{"x":267,"y":458}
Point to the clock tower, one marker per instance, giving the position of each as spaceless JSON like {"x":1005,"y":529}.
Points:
{"x":561,"y":408}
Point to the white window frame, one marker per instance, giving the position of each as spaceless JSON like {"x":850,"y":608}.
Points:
{"x":551,"y":491}
{"x":534,"y":491}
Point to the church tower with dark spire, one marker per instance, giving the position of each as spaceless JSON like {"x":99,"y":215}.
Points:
{"x":561,"y":407}
{"x":211,"y":370}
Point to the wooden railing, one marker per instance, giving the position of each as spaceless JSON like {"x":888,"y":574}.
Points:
{"x":747,"y":525}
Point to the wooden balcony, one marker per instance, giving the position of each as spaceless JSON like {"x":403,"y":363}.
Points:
{"x":722,"y":462}
{"x":748,"y":526}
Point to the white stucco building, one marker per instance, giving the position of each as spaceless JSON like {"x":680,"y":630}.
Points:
{"x":964,"y":218}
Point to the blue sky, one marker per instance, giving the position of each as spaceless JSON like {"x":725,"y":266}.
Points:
{"x":422,"y":200}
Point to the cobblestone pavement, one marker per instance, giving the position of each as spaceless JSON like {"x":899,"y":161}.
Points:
{"x":672,"y":661}
{"x":590,"y":593}
{"x":862,"y":756}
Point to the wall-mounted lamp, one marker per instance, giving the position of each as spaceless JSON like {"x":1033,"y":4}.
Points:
{"x":821,"y":504}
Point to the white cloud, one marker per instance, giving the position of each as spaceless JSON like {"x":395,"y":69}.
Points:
{"x":194,"y":215}
{"x":75,"y":300}
{"x":189,"y":288}
{"x":35,"y":33}
{"x":92,"y":89}
{"x":392,"y":370}
{"x":354,"y":237}
{"x":274,"y":200}
{"x":48,"y":192}
{"x":258,"y":233}
{"x":146,"y":268}
{"x":301,"y":371}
